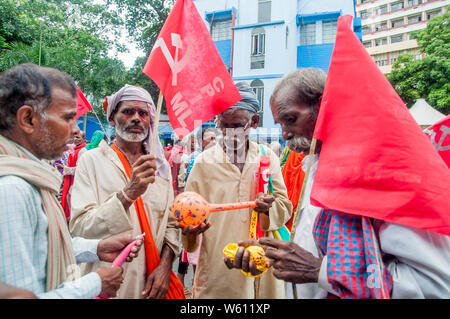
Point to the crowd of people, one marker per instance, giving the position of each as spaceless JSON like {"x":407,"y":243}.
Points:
{"x":67,"y":207}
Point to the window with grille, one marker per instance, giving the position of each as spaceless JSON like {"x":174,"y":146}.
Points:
{"x":414,"y":2}
{"x":397,"y":38}
{"x":308,"y":34}
{"x":258,"y":50}
{"x":258,"y":88}
{"x":258,"y":43}
{"x":381,"y":62}
{"x":416,"y":18}
{"x":329,"y":31}
{"x":365,"y":14}
{"x":365,"y":29}
{"x":379,"y":42}
{"x":264,"y":10}
{"x":382,"y":9}
{"x":397,"y":6}
{"x":394,"y":59}
{"x":397,"y":23}
{"x":221,"y":30}
{"x":432,"y":14}
{"x":381,"y":26}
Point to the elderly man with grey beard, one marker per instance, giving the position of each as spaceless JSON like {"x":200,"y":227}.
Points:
{"x":415,"y":262}
{"x":308,"y":85}
{"x":225,"y":173}
{"x":122,"y":188}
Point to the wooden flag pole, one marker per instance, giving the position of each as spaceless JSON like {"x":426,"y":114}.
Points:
{"x":99,"y":122}
{"x":312,"y":149}
{"x":256,"y":285}
{"x":155,"y":126}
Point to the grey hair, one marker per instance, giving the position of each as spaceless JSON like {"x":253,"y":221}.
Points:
{"x":309,"y":84}
{"x":29,"y":84}
{"x":250,"y":114}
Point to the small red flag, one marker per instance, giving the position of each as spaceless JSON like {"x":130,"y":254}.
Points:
{"x":439,"y":134}
{"x":187,"y":68}
{"x":83,"y":105}
{"x":375,"y":160}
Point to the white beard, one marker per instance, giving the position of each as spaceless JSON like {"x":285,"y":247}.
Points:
{"x":299,"y":144}
{"x":235,"y":144}
{"x":130,"y":137}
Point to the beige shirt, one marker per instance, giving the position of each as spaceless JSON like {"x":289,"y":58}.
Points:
{"x":98,"y":213}
{"x":219,"y":181}
{"x":182,"y":172}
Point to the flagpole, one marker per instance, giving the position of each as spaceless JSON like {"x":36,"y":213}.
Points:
{"x":155,"y":127}
{"x":312,"y":149}
{"x":99,"y":122}
{"x":256,"y":285}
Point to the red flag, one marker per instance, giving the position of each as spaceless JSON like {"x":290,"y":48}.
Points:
{"x":187,"y":68}
{"x":440,"y":138}
{"x":375,"y":160}
{"x":83,"y":105}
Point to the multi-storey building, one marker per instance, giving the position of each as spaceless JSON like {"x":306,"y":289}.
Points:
{"x":260,"y":41}
{"x":387,"y":26}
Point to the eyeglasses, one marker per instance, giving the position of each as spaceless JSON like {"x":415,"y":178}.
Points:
{"x":234,"y":126}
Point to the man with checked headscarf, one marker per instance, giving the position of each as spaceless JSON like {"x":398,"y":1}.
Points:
{"x":122,"y":188}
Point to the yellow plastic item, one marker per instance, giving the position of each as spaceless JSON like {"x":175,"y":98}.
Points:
{"x":257,"y":255}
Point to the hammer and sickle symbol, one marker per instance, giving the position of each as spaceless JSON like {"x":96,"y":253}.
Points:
{"x":176,"y":65}
{"x":445,"y":131}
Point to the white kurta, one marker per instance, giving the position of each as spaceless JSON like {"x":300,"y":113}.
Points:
{"x":98,"y":213}
{"x":418,"y":260}
{"x":219,"y":181}
{"x":304,"y":235}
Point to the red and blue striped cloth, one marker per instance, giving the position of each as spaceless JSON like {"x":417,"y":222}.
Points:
{"x":354,"y":265}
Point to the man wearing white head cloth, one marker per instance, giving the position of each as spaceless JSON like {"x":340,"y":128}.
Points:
{"x":122,"y":188}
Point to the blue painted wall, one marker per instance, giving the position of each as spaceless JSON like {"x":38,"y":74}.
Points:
{"x":357,"y":27}
{"x":92,"y":125}
{"x":224,"y":48}
{"x":315,"y":55}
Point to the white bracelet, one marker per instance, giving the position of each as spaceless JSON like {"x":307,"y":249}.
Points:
{"x":126,"y":197}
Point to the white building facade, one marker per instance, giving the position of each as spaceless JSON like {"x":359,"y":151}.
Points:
{"x":387,"y":26}
{"x":260,"y":41}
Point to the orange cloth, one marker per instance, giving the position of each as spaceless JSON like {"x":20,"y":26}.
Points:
{"x":176,"y":289}
{"x":293,"y":176}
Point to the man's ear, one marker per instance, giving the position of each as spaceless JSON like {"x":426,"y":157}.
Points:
{"x":255,"y":121}
{"x":112,"y":122}
{"x":27,"y":119}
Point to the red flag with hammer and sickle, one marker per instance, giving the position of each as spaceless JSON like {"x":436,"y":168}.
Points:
{"x":375,"y":160}
{"x":439,"y":134}
{"x":187,"y":68}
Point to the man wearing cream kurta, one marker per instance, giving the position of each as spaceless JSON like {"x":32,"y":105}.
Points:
{"x":103,"y":194}
{"x":220,"y":177}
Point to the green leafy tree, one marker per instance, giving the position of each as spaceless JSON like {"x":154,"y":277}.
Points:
{"x":428,"y":77}
{"x":74,"y":36}
{"x":144,"y":20}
